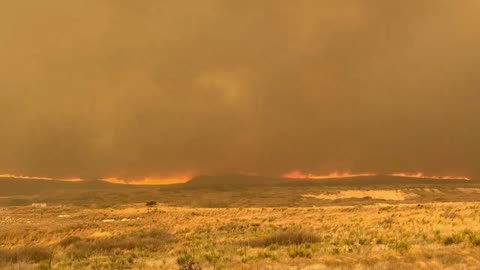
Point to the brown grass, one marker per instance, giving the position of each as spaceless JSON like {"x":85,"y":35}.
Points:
{"x":386,"y":236}
{"x":25,"y":254}
{"x":151,"y":241}
{"x":292,"y":237}
{"x":387,"y":195}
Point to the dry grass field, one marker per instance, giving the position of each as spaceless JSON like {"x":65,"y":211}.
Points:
{"x":134,"y":236}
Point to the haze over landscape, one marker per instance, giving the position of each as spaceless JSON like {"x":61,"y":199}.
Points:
{"x":172,"y":89}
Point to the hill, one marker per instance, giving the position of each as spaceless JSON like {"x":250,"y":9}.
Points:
{"x":233,"y":191}
{"x":237,"y":181}
{"x":15,"y":186}
{"x":234,"y":180}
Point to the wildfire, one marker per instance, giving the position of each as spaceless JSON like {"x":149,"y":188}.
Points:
{"x":337,"y":175}
{"x":150,"y":180}
{"x":333,"y":175}
{"x":423,"y":176}
{"x":182,"y":178}
{"x":14,"y":176}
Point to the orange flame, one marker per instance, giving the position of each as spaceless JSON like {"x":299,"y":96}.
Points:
{"x":14,"y":176}
{"x":333,"y":175}
{"x":150,"y":180}
{"x":423,"y":176}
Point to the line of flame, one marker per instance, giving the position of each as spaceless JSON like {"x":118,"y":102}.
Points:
{"x":337,"y":175}
{"x":333,"y":175}
{"x":150,"y":180}
{"x":423,"y":176}
{"x":291,"y":175}
{"x":14,"y":176}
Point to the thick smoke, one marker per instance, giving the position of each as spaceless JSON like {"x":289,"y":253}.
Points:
{"x":135,"y":89}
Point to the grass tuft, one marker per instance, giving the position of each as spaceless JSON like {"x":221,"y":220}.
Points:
{"x":285,"y":239}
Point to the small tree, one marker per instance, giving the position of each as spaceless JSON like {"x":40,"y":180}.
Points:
{"x":151,"y":203}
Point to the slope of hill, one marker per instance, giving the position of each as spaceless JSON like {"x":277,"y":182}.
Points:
{"x":234,"y":180}
{"x":232,"y":191}
{"x":362,"y":181}
{"x":13,"y":187}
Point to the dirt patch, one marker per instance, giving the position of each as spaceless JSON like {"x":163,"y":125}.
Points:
{"x":389,"y":195}
{"x":432,"y":190}
{"x":101,"y":234}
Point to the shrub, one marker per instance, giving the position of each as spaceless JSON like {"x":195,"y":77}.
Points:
{"x":266,"y":254}
{"x":453,"y":239}
{"x":186,"y":262}
{"x":475,"y":239}
{"x":212,"y":257}
{"x":388,"y":221}
{"x":472,"y":236}
{"x":300,"y":251}
{"x":335,"y":251}
{"x":401,"y":247}
{"x":286,"y":239}
{"x":151,"y":204}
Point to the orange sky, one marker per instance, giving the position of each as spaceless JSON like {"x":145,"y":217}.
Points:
{"x":138,"y":89}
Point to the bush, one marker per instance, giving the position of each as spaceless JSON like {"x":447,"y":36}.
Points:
{"x":475,"y":239}
{"x":300,"y":251}
{"x":401,"y":247}
{"x":453,"y":239}
{"x":151,"y":204}
{"x":286,"y":239}
{"x":266,"y":254}
{"x":186,"y":262}
{"x":212,"y":257}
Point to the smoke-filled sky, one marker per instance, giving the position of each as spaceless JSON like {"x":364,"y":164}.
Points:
{"x":135,"y":89}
